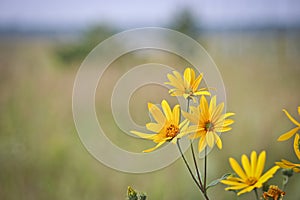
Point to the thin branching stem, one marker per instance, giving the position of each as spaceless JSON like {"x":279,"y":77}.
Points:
{"x":205,"y":168}
{"x":191,"y":173}
{"x":196,"y":166}
{"x":202,"y":188}
{"x":256,"y":194}
{"x":188,"y":167}
{"x":192,"y":150}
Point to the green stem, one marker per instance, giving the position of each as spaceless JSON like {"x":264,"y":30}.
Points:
{"x":188,"y":104}
{"x":196,"y":166}
{"x":284,"y":182}
{"x":191,"y":173}
{"x":202,"y":188}
{"x":188,"y":167}
{"x":192,"y":150}
{"x":256,"y":194}
{"x":205,"y":168}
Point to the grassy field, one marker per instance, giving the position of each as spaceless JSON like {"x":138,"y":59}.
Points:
{"x":41,"y":156}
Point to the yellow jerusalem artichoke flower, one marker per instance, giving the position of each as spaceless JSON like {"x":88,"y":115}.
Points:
{"x":251,"y":176}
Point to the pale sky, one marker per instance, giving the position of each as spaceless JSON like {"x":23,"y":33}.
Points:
{"x":128,"y":13}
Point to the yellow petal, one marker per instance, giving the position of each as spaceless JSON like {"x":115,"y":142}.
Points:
{"x":288,"y":134}
{"x":191,"y":117}
{"x":177,"y":93}
{"x":223,"y":129}
{"x":167,"y":110}
{"x":218,"y":141}
{"x":296,"y":170}
{"x":204,"y":108}
{"x":217,"y":112}
{"x":247,"y":189}
{"x":237,"y":187}
{"x":189,"y":76}
{"x":175,"y":82}
{"x":253,"y":163}
{"x":291,"y":118}
{"x":213,"y":103}
{"x":190,"y":129}
{"x":227,"y":115}
{"x":184,"y":125}
{"x":260,"y":164}
{"x":154,"y":127}
{"x":152,"y":149}
{"x":297,"y":146}
{"x":178,"y":76}
{"x":298,"y":110}
{"x":143,"y":135}
{"x":289,"y":164}
{"x":176,"y":114}
{"x":194,"y":136}
{"x":269,"y":174}
{"x":195,"y":110}
{"x":228,"y":122}
{"x":210,"y":138}
{"x":246,"y":165}
{"x":198,"y":93}
{"x":197,"y":82}
{"x":237,"y":168}
{"x":231,"y":183}
{"x":184,"y":131}
{"x":201,"y":144}
{"x":281,"y":165}
{"x":222,"y":118}
{"x":156,"y":113}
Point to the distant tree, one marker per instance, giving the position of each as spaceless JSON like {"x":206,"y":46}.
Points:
{"x":185,"y":22}
{"x":78,"y":50}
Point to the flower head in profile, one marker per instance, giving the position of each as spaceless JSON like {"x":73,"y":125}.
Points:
{"x":209,"y":120}
{"x":167,"y":126}
{"x":251,"y":176}
{"x":186,"y":86}
{"x":292,"y":132}
{"x":284,"y":164}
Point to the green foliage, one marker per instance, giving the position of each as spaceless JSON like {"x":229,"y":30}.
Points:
{"x":77,"y":50}
{"x":215,"y":182}
{"x":185,"y":22}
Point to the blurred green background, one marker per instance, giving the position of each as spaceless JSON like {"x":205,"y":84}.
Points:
{"x":41,"y":156}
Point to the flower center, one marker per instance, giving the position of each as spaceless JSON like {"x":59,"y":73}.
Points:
{"x":172,"y":131}
{"x":189,"y":91}
{"x":251,"y":181}
{"x":209,"y":126}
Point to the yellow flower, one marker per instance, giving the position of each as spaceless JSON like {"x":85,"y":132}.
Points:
{"x":289,"y":165}
{"x":292,"y":132}
{"x":167,"y":126}
{"x":186,"y":86}
{"x":209,"y":121}
{"x":251,"y":177}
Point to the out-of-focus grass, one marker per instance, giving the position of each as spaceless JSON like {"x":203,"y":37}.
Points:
{"x":41,"y":156}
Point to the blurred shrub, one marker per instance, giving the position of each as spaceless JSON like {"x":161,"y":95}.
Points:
{"x":186,"y":22}
{"x":78,"y":49}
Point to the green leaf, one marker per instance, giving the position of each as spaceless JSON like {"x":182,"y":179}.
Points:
{"x":215,"y":182}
